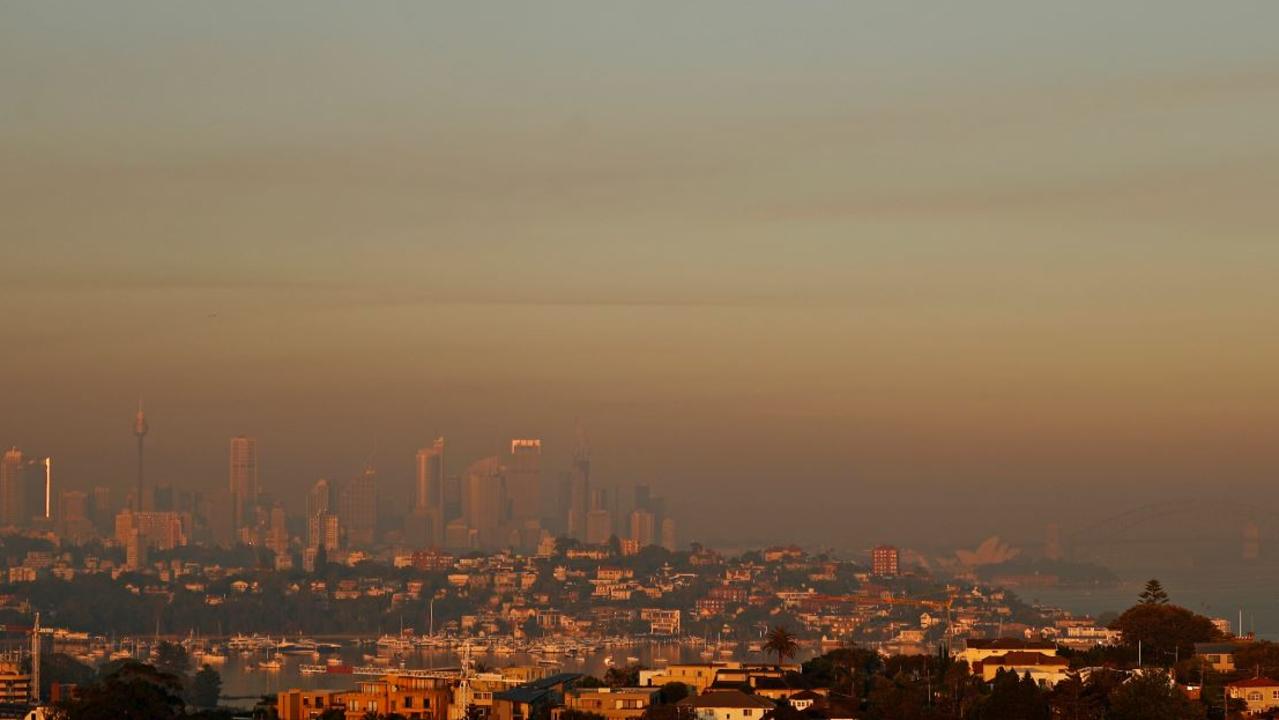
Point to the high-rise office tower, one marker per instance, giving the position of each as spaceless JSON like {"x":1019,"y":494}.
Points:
{"x":452,"y":498}
{"x":357,"y":507}
{"x":430,"y":476}
{"x":579,"y":493}
{"x":320,"y":498}
{"x":426,"y":523}
{"x":668,"y":534}
{"x":73,"y":516}
{"x":483,"y":498}
{"x":37,"y":490}
{"x":243,"y":480}
{"x":323,"y":530}
{"x":161,"y":530}
{"x":643,"y":528}
{"x":524,"y":480}
{"x":102,"y":510}
{"x":135,"y":553}
{"x":643,"y":496}
{"x":278,"y":536}
{"x":140,"y":429}
{"x":599,"y":521}
{"x":12,"y":497}
{"x":162,"y":497}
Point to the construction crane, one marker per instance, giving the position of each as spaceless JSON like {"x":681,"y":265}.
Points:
{"x":34,"y":631}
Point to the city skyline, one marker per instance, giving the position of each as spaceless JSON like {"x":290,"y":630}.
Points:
{"x":859,"y":251}
{"x":508,"y":499}
{"x":571,"y":360}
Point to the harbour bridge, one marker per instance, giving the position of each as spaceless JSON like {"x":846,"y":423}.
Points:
{"x":1198,"y":527}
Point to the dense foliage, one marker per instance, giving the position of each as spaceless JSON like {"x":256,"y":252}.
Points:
{"x":1164,"y":630}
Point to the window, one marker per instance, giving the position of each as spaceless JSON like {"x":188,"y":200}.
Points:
{"x":408,"y":701}
{"x":1254,"y":695}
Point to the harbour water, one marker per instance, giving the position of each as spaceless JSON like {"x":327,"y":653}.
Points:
{"x":243,"y":682}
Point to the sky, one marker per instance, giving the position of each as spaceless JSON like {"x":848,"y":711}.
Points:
{"x":823,"y":272}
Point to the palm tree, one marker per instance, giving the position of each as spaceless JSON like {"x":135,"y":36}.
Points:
{"x":781,"y":643}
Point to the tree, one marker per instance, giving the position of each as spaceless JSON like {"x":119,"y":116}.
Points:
{"x":172,"y":658}
{"x":898,"y":697}
{"x":784,"y":711}
{"x":1070,"y":699}
{"x":627,"y":676}
{"x":781,"y":643}
{"x":1013,"y":697}
{"x":63,"y":669}
{"x":662,"y":711}
{"x":1260,"y":656}
{"x":1153,"y":594}
{"x":206,"y":688}
{"x":333,"y":713}
{"x":1165,"y":632}
{"x":1152,"y":696}
{"x":133,"y":692}
{"x":847,"y":669}
{"x":672,"y":692}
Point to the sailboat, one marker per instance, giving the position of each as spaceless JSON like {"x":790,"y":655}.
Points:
{"x":272,"y":662}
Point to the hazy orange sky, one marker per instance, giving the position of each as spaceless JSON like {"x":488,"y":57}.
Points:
{"x":819,"y":264}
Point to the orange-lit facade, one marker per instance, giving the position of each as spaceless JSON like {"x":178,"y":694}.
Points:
{"x":884,"y":561}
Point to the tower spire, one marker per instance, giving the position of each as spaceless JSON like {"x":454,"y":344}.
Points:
{"x":140,"y":429}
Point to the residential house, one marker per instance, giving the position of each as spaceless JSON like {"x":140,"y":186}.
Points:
{"x":1047,"y":670}
{"x":977,"y":649}
{"x":415,"y":698}
{"x":727,"y":705}
{"x":697,"y":676}
{"x":612,"y":703}
{"x":306,"y":704}
{"x":1260,"y":693}
{"x":525,"y":702}
{"x":1218,"y":656}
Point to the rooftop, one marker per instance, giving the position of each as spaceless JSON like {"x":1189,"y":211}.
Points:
{"x":726,"y":699}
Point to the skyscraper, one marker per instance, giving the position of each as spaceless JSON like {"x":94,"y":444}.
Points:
{"x":599,"y":521}
{"x":323,"y":530}
{"x":524,"y":480}
{"x":243,"y":480}
{"x":430,"y":476}
{"x":643,"y":497}
{"x":643,"y":528}
{"x":320,"y":499}
{"x":668,"y":534}
{"x":579,"y":492}
{"x":102,"y":510}
{"x":278,"y":536}
{"x":73,"y":516}
{"x":357,"y":507}
{"x":12,"y":497}
{"x":37,"y":490}
{"x":140,"y":429}
{"x":483,"y":497}
{"x":426,"y":523}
